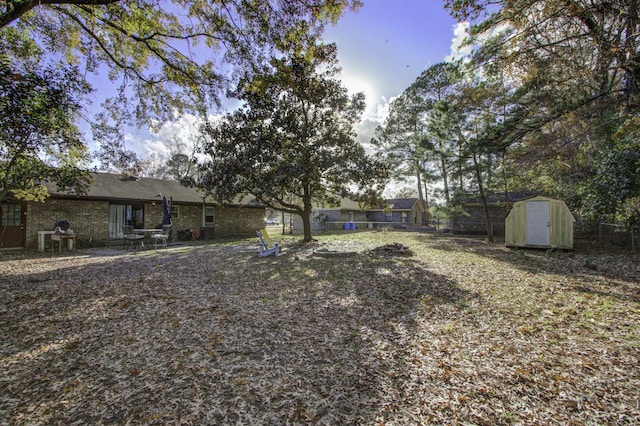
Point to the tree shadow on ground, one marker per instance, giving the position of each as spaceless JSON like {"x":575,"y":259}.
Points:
{"x":217,"y":336}
{"x":608,"y":274}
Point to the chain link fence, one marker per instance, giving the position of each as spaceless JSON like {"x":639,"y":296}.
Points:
{"x":619,"y":235}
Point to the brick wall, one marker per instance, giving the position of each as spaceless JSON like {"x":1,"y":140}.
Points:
{"x":189,"y":217}
{"x":231,"y":221}
{"x":89,"y":219}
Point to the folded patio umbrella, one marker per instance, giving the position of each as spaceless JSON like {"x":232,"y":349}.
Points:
{"x":166,"y":209}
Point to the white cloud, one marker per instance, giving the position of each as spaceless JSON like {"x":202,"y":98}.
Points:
{"x":180,"y":135}
{"x":159,"y":143}
{"x":460,"y":50}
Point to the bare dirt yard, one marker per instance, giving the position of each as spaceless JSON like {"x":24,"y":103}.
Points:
{"x":352,"y":329}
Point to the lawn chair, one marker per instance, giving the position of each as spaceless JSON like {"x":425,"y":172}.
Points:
{"x":130,"y":238}
{"x":267,"y":238}
{"x":267,"y":248}
{"x":161,"y":237}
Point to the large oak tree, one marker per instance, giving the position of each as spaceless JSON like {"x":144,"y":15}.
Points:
{"x":292,"y":143}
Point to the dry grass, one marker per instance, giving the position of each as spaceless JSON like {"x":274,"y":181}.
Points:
{"x":460,"y":332}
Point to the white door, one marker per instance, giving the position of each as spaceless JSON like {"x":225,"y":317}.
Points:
{"x":538,"y":223}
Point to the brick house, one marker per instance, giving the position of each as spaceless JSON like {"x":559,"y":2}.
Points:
{"x":97,"y":216}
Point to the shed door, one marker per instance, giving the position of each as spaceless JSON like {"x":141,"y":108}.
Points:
{"x":538,"y":223}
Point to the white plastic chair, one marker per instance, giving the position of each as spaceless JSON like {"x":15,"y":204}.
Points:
{"x":161,"y":237}
{"x":266,"y":248}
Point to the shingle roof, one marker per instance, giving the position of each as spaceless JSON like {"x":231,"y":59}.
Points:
{"x":118,"y":187}
{"x":401,"y":203}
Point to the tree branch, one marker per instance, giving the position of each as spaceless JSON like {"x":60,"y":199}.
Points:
{"x":104,"y":48}
{"x":16,"y":9}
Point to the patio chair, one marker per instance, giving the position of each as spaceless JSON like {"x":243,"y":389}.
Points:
{"x":161,"y":237}
{"x":267,"y":248}
{"x":267,"y":238}
{"x":131,"y":239}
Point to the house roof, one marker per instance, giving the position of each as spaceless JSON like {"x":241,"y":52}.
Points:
{"x":396,"y":204}
{"x":495,"y":198}
{"x":107,"y":186}
{"x":403,"y":203}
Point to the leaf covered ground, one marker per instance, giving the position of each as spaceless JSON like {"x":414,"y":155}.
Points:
{"x":427,"y":330}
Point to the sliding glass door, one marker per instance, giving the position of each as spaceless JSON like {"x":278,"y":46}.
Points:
{"x":124,"y":214}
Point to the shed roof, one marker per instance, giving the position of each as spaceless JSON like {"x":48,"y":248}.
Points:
{"x":106,"y":186}
{"x":543,"y":198}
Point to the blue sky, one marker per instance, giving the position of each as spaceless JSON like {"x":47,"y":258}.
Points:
{"x":385,"y":45}
{"x":382,"y":49}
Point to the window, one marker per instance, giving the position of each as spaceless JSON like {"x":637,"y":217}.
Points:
{"x":175,"y":212}
{"x":11,"y":214}
{"x":405,"y":217}
{"x":388,"y":216}
{"x":209,"y":215}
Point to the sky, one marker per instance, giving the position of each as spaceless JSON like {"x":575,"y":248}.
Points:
{"x":385,"y":45}
{"x":382,"y":49}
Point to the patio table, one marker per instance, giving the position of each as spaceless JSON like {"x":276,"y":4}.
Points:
{"x":146,"y":232}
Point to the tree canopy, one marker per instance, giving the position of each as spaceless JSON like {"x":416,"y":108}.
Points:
{"x":554,"y":95}
{"x":38,"y":137}
{"x":292,"y":143}
{"x":172,"y":56}
{"x":163,"y":58}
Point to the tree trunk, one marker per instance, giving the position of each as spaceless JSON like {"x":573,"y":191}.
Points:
{"x":419,"y":183}
{"x":483,"y":196}
{"x":425,"y":215}
{"x":445,"y":180}
{"x":306,"y":214}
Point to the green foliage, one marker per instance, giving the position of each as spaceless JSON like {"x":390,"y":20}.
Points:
{"x":631,"y":211}
{"x":163,"y":58}
{"x":293,"y":142}
{"x":414,"y":136}
{"x":616,"y":179}
{"x":564,"y":130}
{"x":168,"y":58}
{"x":38,"y":138}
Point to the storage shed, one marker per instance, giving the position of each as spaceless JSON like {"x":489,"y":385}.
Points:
{"x":539,"y":222}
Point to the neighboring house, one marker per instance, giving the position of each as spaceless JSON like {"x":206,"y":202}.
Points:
{"x":112,"y":201}
{"x":470,"y":216}
{"x":399,"y":212}
{"x":325,"y":218}
{"x":331,"y":218}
